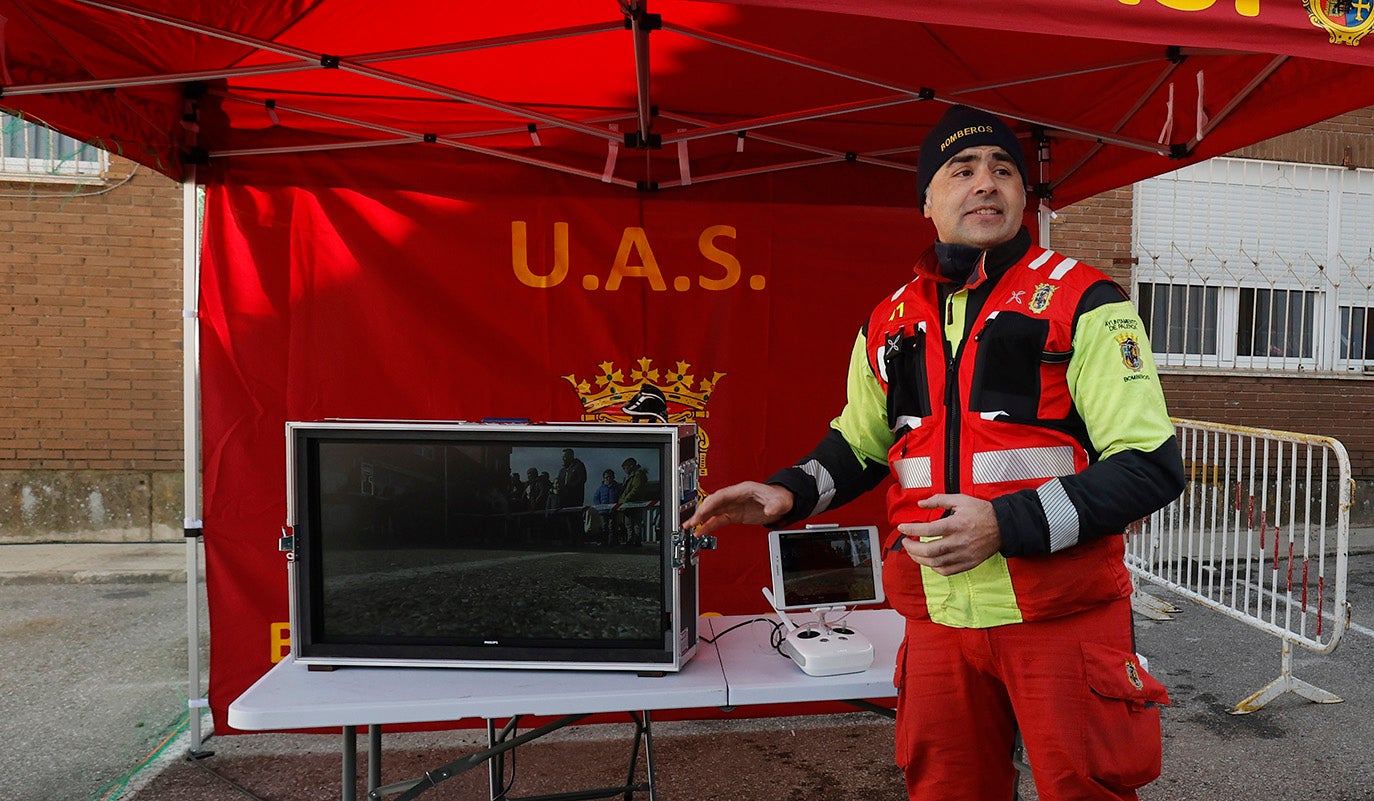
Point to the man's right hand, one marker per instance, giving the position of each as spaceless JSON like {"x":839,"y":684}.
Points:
{"x":746,"y":502}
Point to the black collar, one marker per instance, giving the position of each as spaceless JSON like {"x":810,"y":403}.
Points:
{"x":959,"y":263}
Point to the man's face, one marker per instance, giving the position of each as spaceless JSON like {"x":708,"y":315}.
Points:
{"x":977,"y":198}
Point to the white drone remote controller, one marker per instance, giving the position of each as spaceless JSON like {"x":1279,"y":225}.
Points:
{"x":822,"y":649}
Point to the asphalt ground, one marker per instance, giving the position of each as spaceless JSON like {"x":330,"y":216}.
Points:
{"x":95,"y":685}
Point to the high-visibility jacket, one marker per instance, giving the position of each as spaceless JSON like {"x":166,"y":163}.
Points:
{"x":1032,"y":386}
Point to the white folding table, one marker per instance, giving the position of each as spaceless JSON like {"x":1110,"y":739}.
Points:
{"x":755,"y":673}
{"x":741,"y":668}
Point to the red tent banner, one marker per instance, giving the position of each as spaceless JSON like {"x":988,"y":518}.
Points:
{"x":671,"y":94}
{"x":445,"y":210}
{"x":484,"y":293}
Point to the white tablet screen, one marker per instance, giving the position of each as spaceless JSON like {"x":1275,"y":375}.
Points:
{"x":826,"y":567}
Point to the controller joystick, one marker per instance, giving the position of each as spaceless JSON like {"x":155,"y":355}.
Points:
{"x":830,"y":652}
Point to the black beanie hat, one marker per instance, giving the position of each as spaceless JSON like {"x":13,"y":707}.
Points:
{"x":959,"y":128}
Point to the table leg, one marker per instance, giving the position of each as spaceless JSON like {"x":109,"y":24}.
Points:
{"x":649,"y":757}
{"x":494,"y":765}
{"x":374,"y":757}
{"x":350,"y":764}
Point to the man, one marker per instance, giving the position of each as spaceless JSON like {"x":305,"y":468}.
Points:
{"x":571,"y":485}
{"x":572,"y":481}
{"x":605,"y":498}
{"x":1011,"y":393}
{"x":633,"y":494}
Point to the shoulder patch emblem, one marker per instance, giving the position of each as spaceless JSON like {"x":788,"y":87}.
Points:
{"x":1130,"y":351}
{"x":1040,"y":300}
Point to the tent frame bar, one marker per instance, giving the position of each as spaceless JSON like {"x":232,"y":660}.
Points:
{"x":1164,"y":75}
{"x":302,"y":65}
{"x":415,"y":138}
{"x":1240,"y":97}
{"x":191,"y":456}
{"x":640,"y":24}
{"x":354,"y":66}
{"x":635,"y":14}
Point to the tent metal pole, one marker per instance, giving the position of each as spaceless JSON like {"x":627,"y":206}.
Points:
{"x":1145,"y":96}
{"x":191,"y":488}
{"x":297,"y":65}
{"x":1240,"y":97}
{"x":641,"y":53}
{"x":721,"y":176}
{"x":417,"y":138}
{"x":833,"y":154}
{"x":353,"y":66}
{"x":805,"y":115}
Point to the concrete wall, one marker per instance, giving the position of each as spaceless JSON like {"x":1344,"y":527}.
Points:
{"x":90,"y":506}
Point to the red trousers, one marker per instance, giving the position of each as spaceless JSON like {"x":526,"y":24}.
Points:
{"x":1084,"y":706}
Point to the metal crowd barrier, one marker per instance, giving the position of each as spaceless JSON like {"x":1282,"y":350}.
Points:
{"x":1261,"y":533}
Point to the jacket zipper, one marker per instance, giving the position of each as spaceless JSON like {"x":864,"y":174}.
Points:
{"x":952,"y":413}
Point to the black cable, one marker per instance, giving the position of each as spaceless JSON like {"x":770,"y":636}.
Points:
{"x":775,"y":636}
{"x":711,"y":640}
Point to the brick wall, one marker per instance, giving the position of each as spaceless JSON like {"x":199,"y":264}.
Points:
{"x":1097,"y":231}
{"x":90,"y":338}
{"x":1329,"y":407}
{"x":1346,"y":140}
{"x":90,"y":359}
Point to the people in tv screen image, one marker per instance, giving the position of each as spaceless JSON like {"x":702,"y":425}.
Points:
{"x":608,"y":525}
{"x":1011,"y":394}
{"x":640,"y":514}
{"x":457,"y":548}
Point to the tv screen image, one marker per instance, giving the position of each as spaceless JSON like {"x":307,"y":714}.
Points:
{"x":475,"y":544}
{"x":424,"y":534}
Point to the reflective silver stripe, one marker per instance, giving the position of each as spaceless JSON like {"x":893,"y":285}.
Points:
{"x":1021,"y":464}
{"x":1060,"y":513}
{"x":1041,"y":259}
{"x":825,"y":485}
{"x":1063,"y":269}
{"x":913,"y":472}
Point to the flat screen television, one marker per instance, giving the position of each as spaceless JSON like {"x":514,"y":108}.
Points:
{"x":494,"y":545}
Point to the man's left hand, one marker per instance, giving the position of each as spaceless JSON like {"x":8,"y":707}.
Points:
{"x":961,"y":540}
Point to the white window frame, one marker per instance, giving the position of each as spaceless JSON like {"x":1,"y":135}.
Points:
{"x":1240,"y":225}
{"x":35,"y":153}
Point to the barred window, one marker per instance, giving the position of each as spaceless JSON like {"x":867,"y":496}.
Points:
{"x":1252,"y":264}
{"x":30,"y":151}
{"x":1180,"y":319}
{"x":1357,"y":337}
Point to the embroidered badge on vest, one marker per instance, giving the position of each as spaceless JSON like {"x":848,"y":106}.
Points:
{"x":1041,"y":299}
{"x":1130,"y":351}
{"x":1134,"y":676}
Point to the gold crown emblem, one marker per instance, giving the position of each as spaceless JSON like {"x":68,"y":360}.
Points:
{"x":610,"y":388}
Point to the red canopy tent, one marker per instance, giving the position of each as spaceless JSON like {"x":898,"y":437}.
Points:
{"x":797,"y":83}
{"x":459,"y":210}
